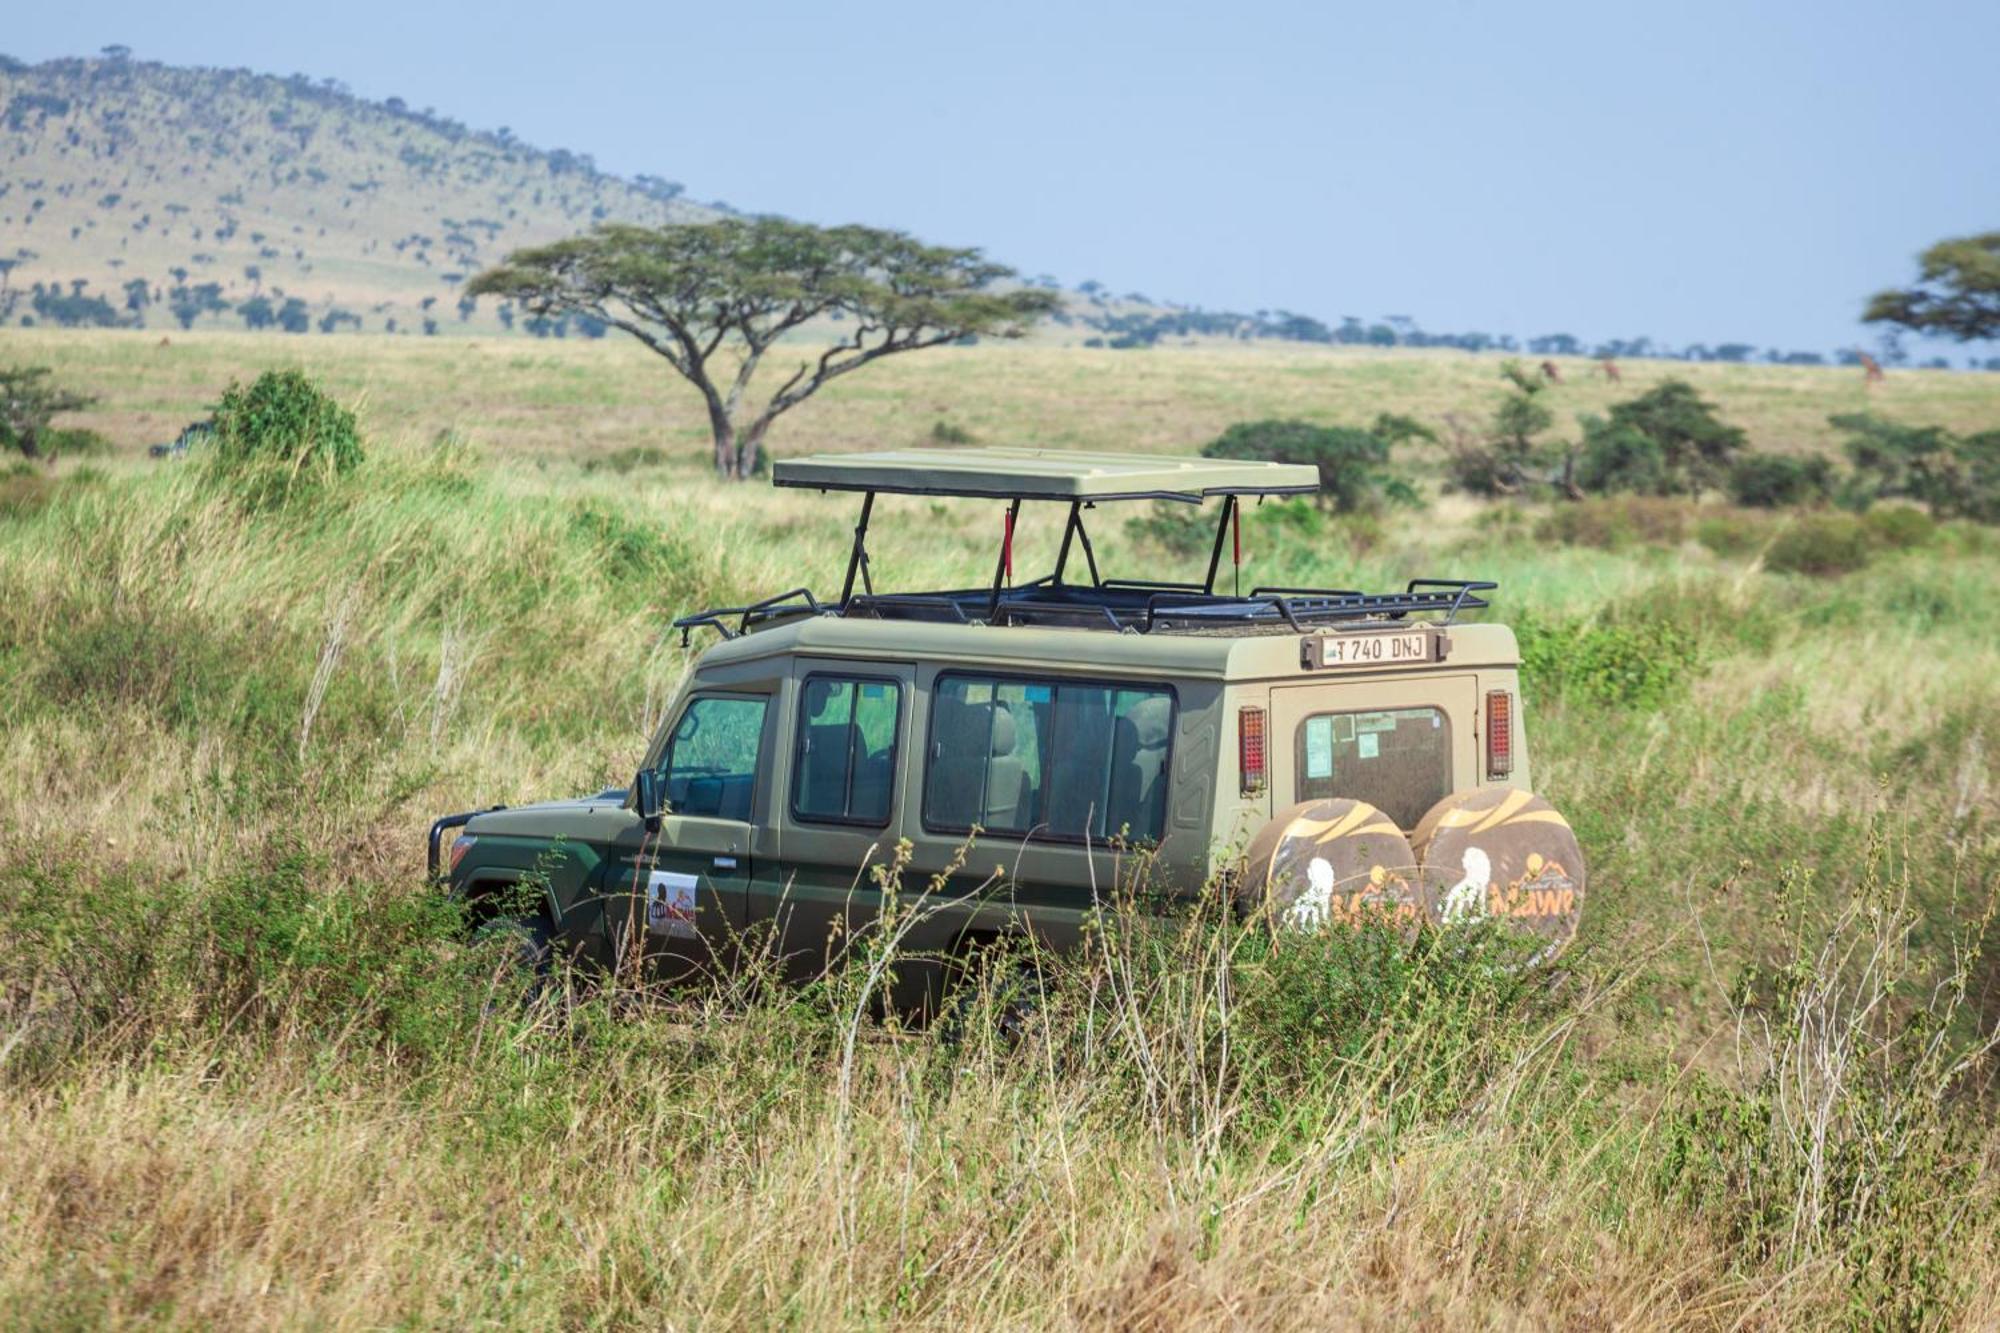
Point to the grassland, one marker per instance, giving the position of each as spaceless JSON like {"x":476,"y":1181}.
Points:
{"x":249,"y":1076}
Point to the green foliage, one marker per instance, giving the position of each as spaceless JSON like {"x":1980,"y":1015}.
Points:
{"x":949,"y":433}
{"x":1821,"y":545}
{"x":283,"y":434}
{"x":29,"y":402}
{"x":1779,"y":481}
{"x":1899,"y":527}
{"x":1353,"y":463}
{"x":1628,"y":660}
{"x":1511,"y":456}
{"x":1616,"y":523}
{"x":1957,"y":293}
{"x":1667,"y":441}
{"x":1178,"y":529}
{"x":685,"y":290}
{"x":1957,"y":476}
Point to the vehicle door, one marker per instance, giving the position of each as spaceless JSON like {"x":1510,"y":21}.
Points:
{"x":844,"y":790}
{"x":1399,"y":743}
{"x":685,"y":886}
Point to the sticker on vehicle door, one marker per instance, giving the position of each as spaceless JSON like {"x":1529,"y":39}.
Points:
{"x":670,"y":904}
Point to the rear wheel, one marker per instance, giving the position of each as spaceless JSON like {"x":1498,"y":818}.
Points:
{"x":999,"y":995}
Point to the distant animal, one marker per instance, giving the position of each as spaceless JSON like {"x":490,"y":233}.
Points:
{"x":1551,"y":372}
{"x":1873,"y":369}
{"x":1610,"y":369}
{"x":164,"y":341}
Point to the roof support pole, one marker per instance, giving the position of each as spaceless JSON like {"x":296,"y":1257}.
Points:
{"x":1221,"y":536}
{"x":1069,"y":531}
{"x":857,"y":560}
{"x":1090,"y":556}
{"x":1000,"y":565}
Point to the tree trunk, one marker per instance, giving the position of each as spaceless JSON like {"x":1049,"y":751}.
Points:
{"x":724,"y":431}
{"x":750,"y":450}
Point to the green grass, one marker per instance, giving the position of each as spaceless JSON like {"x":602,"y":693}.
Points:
{"x":249,"y":1074}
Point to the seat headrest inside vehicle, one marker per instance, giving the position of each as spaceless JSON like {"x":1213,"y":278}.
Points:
{"x":1003,"y":731}
{"x":1150,"y":719}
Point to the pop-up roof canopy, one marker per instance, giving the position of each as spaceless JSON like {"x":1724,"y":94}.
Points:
{"x":1079,"y":480}
{"x":1043,"y":474}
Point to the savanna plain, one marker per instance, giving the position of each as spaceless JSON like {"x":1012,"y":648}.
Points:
{"x":251,"y":1072}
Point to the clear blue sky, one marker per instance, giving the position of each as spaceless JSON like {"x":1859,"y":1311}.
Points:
{"x":1690,"y":171}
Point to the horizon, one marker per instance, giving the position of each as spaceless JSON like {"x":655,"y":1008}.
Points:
{"x":1755,"y":120}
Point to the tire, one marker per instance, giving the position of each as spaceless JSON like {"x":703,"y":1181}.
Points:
{"x":525,"y":953}
{"x":998,"y":994}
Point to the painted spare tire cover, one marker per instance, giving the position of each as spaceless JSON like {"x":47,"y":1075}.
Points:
{"x":1332,"y":860}
{"x":1500,"y":853}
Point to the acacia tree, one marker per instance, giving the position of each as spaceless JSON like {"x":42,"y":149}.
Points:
{"x":28,"y":403}
{"x":1957,"y":292}
{"x":689,"y":292}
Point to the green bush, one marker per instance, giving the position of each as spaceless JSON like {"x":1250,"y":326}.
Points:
{"x":1899,"y":527}
{"x":1735,"y":535}
{"x":1779,"y":481}
{"x":284,"y":432}
{"x":1822,"y":545}
{"x":1616,"y":523}
{"x":1618,"y":661}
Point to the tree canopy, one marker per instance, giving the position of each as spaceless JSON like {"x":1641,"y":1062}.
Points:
{"x":1353,"y":463}
{"x":1957,"y":292}
{"x":714,"y":299}
{"x":28,"y":403}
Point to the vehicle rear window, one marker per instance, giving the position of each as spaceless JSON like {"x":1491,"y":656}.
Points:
{"x":1060,"y":759}
{"x":847,"y":750}
{"x":1398,"y":761}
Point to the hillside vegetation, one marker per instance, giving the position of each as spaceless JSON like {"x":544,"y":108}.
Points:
{"x":250,"y":1072}
{"x":149,"y":183}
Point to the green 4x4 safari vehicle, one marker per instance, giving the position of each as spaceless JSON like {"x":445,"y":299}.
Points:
{"x":1321,"y":754}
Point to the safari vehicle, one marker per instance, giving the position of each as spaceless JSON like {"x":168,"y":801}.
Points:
{"x":1319,"y":753}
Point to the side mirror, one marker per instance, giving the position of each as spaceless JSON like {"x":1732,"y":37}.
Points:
{"x":647,"y":797}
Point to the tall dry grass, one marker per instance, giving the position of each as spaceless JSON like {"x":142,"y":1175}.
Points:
{"x":251,"y":1072}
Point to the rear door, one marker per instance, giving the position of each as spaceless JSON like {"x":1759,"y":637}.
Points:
{"x":1401,"y":744}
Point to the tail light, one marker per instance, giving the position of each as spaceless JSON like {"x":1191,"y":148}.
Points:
{"x":1499,"y":734}
{"x":1250,"y":749}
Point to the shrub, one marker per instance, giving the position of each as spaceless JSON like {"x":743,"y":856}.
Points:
{"x":946,"y":432}
{"x":1622,"y":458}
{"x":284,"y":431}
{"x":1735,"y":534}
{"x":1822,"y":545}
{"x":1775,"y":481}
{"x":1615,"y":523}
{"x":1899,"y":527}
{"x":1619,"y":660}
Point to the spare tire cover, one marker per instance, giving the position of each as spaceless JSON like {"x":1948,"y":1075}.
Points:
{"x":1332,"y":860}
{"x":1500,"y":853}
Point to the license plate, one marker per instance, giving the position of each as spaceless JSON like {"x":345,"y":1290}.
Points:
{"x":1404,"y":648}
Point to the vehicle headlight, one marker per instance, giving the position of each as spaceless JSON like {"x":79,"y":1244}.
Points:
{"x":459,"y":847}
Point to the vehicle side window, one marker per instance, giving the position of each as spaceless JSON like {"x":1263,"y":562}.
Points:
{"x":846,"y":766}
{"x":1398,"y":761}
{"x":710,"y":765}
{"x":1052,"y":758}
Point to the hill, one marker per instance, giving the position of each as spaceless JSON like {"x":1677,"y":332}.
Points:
{"x":137,"y":192}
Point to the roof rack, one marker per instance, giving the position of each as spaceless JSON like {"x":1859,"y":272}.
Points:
{"x":1081,"y":480}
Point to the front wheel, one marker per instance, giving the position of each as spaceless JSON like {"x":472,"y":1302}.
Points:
{"x":523,"y":952}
